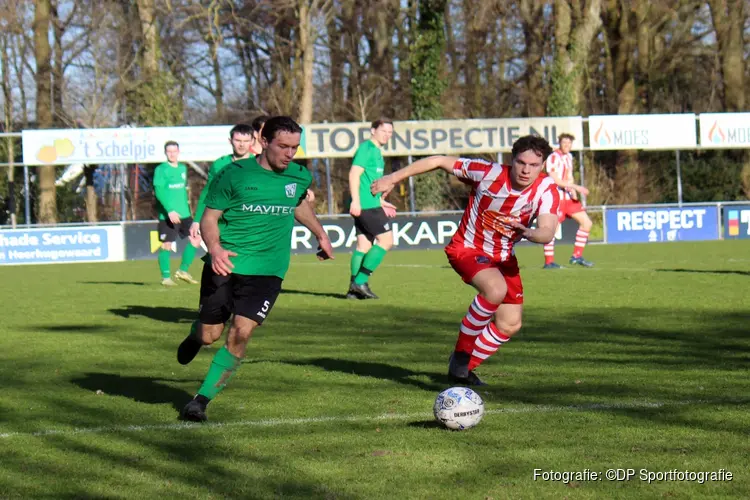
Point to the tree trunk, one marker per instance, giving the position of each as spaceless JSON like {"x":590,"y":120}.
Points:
{"x":428,"y":84}
{"x":532,"y":17}
{"x":219,"y":82}
{"x":307,"y":50}
{"x":728,"y":21}
{"x":42,"y":53}
{"x":8,"y":118}
{"x":58,"y":29}
{"x":572,"y":45}
{"x":147,"y":17}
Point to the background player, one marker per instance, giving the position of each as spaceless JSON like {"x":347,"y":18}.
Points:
{"x":241,"y":138}
{"x":560,"y":168}
{"x":257,"y":148}
{"x":247,"y":226}
{"x":503,"y":203}
{"x":370,"y":211}
{"x":170,"y":189}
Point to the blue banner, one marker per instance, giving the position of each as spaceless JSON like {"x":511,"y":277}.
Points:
{"x":643,"y":225}
{"x":737,"y":222}
{"x":59,"y":245}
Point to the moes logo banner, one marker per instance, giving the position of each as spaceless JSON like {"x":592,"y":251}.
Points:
{"x":643,"y":225}
{"x":737,"y":222}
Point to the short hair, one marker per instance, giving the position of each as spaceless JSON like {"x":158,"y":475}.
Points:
{"x":534,"y":143}
{"x":381,"y":121}
{"x":170,"y":143}
{"x":566,"y":136}
{"x":259,"y":121}
{"x":279,"y":124}
{"x":241,"y":128}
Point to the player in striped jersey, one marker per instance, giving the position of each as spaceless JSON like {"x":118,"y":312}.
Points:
{"x":560,"y":168}
{"x":504,"y":201}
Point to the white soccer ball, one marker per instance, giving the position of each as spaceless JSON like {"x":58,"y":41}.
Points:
{"x":459,"y":408}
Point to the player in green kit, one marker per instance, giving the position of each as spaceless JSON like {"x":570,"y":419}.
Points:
{"x":247,"y":226}
{"x":242,"y":139}
{"x":370,"y":212}
{"x":170,"y":189}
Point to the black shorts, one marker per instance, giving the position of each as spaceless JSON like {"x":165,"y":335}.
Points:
{"x":372,"y":222}
{"x":248,"y":296}
{"x":168,"y":232}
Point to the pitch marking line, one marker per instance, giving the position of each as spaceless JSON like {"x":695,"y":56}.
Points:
{"x":276,"y":422}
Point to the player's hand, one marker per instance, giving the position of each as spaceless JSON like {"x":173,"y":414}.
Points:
{"x":355,"y":209}
{"x":518,"y":228}
{"x":583,"y":190}
{"x":325,"y":249}
{"x":174,"y":217}
{"x":310,"y":196}
{"x":383,"y":185}
{"x":220,"y":262}
{"x":388,"y":208}
{"x":573,"y":194}
{"x":195,"y":231}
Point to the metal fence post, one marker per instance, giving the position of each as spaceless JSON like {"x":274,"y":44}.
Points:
{"x":26,"y":196}
{"x":679,"y":179}
{"x":329,"y":187}
{"x":412,"y":197}
{"x":604,"y":223}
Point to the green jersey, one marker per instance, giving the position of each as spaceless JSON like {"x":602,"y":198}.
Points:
{"x":212,"y":173}
{"x":170,"y":188}
{"x":369,"y":157}
{"x":258,"y":218}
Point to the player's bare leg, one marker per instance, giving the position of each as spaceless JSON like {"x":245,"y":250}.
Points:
{"x":373,"y":258}
{"x":505,"y":324}
{"x":223,"y":366}
{"x":492,"y":289}
{"x":200,"y":335}
{"x":582,"y":236}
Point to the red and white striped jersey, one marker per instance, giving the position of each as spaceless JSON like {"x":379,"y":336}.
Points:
{"x":561,"y":165}
{"x":493,"y":201}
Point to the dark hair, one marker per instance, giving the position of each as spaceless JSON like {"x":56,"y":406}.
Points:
{"x":170,"y":143}
{"x":566,"y":136}
{"x":381,"y":121}
{"x":259,"y":122}
{"x":241,"y":128}
{"x":279,"y":124}
{"x":534,"y":143}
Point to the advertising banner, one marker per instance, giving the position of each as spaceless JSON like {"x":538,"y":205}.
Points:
{"x":321,"y":140}
{"x":122,"y":145}
{"x":725,"y":130}
{"x":61,"y":245}
{"x":409,"y":232}
{"x":737,"y":222}
{"x":619,"y":132}
{"x":641,"y":225}
{"x":340,"y":140}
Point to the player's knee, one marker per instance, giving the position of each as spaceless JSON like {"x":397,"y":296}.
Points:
{"x":211,"y":333}
{"x":385,"y":241}
{"x":167,"y":245}
{"x":509,"y":328}
{"x":586,"y":224}
{"x":496,"y":294}
{"x":363,"y":246}
{"x":240,"y":334}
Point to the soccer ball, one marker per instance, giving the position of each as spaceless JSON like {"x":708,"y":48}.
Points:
{"x":459,"y":408}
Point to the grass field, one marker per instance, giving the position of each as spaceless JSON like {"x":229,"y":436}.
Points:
{"x":641,"y":363}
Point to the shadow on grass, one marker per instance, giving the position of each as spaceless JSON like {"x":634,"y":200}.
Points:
{"x":426,"y":424}
{"x":136,"y":283}
{"x":708,"y":271}
{"x":75,"y":328}
{"x":158,"y":313}
{"x":313,"y":294}
{"x":141,"y":389}
{"x":378,"y":370}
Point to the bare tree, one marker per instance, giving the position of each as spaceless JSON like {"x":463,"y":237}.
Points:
{"x":43,"y":55}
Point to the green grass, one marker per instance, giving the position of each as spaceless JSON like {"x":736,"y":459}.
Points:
{"x":640,"y":362}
